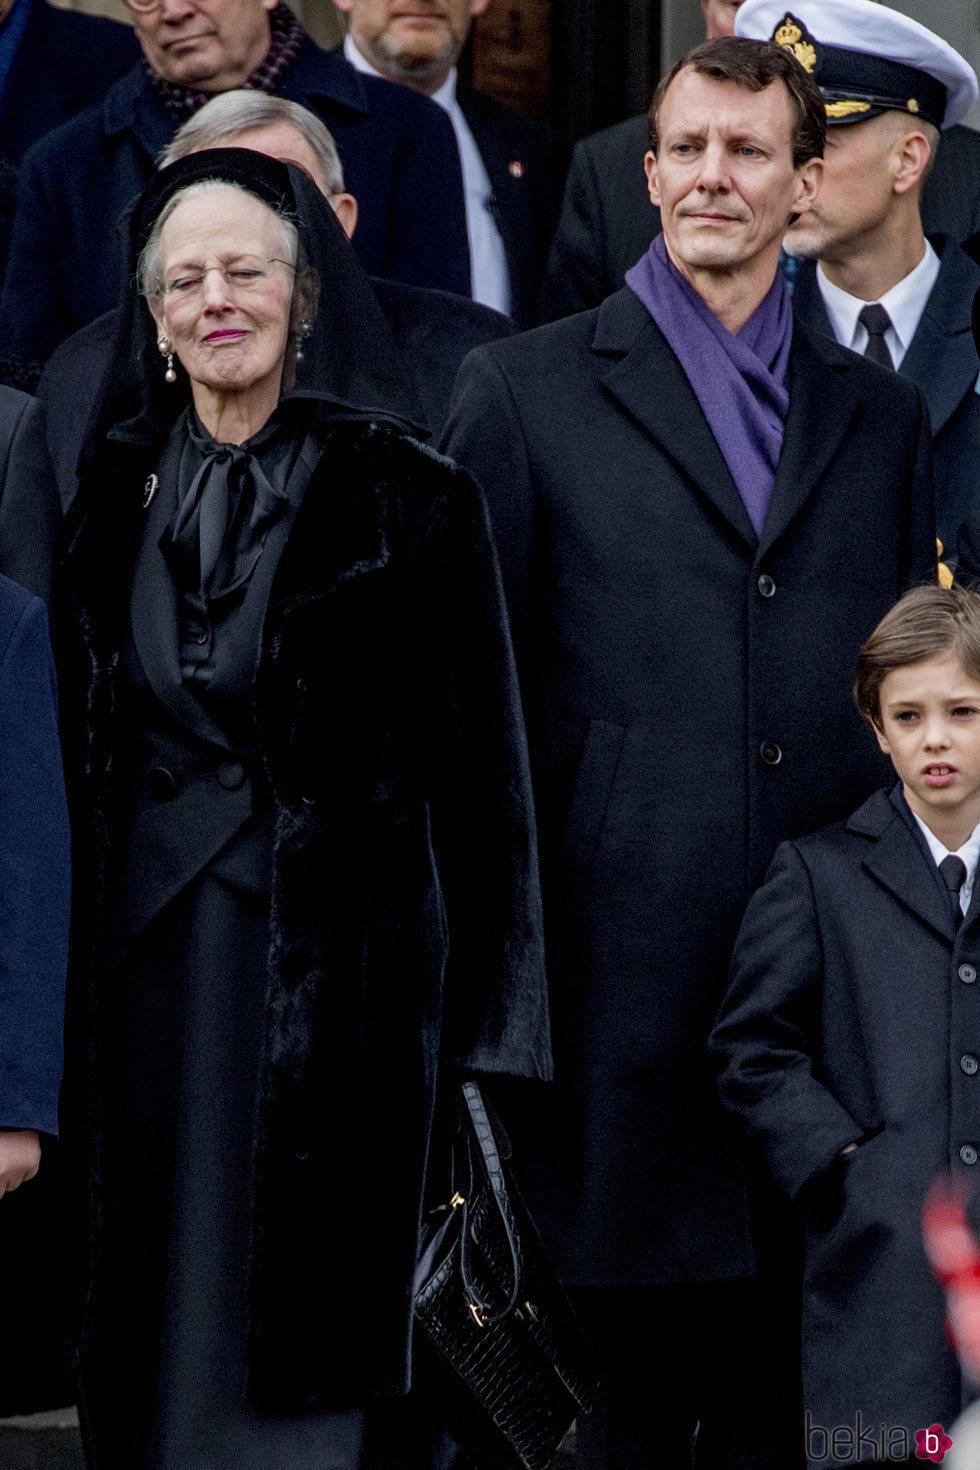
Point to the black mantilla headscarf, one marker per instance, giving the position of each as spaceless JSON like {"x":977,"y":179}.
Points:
{"x":348,"y":359}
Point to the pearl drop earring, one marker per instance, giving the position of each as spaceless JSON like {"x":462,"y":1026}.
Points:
{"x":165,"y":348}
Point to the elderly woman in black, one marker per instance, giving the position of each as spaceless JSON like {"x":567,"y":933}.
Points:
{"x":310,"y":854}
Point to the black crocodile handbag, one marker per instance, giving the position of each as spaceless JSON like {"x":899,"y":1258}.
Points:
{"x":499,"y":1351}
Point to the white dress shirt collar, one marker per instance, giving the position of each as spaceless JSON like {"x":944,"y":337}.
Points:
{"x":904,"y":303}
{"x":969,"y":853}
{"x":489,"y":272}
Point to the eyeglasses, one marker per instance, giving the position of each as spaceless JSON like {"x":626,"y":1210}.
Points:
{"x":145,"y":7}
{"x":240,"y":278}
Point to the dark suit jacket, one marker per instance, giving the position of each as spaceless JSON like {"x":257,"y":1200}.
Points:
{"x":852,"y":1002}
{"x":684,"y":717}
{"x":527,"y":164}
{"x":943,"y":361}
{"x":434,"y":331}
{"x":65,"y":260}
{"x":65,"y":62}
{"x":607,"y":220}
{"x":30,"y":514}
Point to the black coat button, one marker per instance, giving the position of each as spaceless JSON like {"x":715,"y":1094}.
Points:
{"x":770,"y":753}
{"x":767,"y":587}
{"x":231,"y":775}
{"x":968,"y":1154}
{"x":161,"y":782}
{"x":969,"y":1065}
{"x":967,"y":974}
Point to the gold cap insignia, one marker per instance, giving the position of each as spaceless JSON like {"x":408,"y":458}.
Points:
{"x":944,"y":576}
{"x":913,"y":104}
{"x":847,"y":109}
{"x":792,"y":36}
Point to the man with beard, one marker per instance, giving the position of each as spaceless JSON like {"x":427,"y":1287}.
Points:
{"x":513,"y":169}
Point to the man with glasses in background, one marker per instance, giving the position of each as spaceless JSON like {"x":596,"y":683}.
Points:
{"x":398,"y":150}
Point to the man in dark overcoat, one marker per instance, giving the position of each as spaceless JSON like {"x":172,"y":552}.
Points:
{"x":684,"y":645}
{"x":892,"y":89}
{"x":65,"y":264}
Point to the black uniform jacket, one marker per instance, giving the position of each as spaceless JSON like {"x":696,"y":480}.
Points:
{"x":65,"y":264}
{"x":943,"y":361}
{"x":405,"y":940}
{"x":527,"y":164}
{"x":853,"y":1016}
{"x":607,"y":220}
{"x":687,"y":689}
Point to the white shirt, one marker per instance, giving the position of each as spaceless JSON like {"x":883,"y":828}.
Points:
{"x":969,"y":853}
{"x":489,"y":276}
{"x":904,"y":303}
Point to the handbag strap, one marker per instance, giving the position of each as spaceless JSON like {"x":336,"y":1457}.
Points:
{"x":482,"y":1133}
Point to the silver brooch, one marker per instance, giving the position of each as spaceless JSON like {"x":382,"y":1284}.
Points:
{"x":149,"y":490}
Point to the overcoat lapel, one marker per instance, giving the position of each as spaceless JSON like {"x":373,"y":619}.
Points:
{"x":897,"y":863}
{"x":647,"y":381}
{"x":821,"y":407}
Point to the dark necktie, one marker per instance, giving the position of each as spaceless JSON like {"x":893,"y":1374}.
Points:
{"x":952,"y":870}
{"x":876,"y":322}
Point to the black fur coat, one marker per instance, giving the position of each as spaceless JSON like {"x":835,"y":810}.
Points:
{"x":406,"y":938}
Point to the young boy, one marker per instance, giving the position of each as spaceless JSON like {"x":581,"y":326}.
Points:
{"x":849,"y":1040}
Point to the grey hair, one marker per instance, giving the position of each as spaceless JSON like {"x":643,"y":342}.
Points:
{"x":148,"y":274}
{"x":241,"y":110}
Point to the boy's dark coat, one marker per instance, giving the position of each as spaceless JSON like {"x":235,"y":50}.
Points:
{"x":405,"y":904}
{"x":854,"y":1014}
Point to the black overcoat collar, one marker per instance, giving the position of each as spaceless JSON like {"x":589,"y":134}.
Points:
{"x":895,"y":859}
{"x":646,"y":379}
{"x":941,"y":358}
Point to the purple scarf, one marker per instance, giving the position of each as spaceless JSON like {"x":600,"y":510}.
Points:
{"x":739,"y":379}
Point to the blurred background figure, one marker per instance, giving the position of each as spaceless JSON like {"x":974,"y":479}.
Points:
{"x":868,"y":276}
{"x":53,"y":64}
{"x":65,"y":264}
{"x":513,"y":168}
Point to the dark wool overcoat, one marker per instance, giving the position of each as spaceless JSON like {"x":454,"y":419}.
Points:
{"x":854,"y":1017}
{"x":687,"y":688}
{"x":405,"y":938}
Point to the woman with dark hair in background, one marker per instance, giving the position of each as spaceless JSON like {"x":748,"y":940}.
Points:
{"x":307,"y":834}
